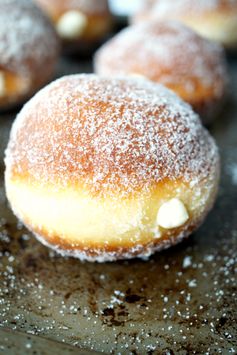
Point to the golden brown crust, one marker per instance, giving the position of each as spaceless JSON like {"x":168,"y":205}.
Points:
{"x":115,"y":247}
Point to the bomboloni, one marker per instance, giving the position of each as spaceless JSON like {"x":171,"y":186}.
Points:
{"x":79,"y":23}
{"x":213,"y":19}
{"x":173,"y":55}
{"x":105,"y":169}
{"x":29,"y":49}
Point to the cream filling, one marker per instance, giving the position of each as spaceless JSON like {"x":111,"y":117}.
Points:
{"x":172,"y":214}
{"x":72,"y":24}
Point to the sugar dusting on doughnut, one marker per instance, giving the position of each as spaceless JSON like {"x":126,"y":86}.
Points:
{"x":167,"y":52}
{"x":94,"y":135}
{"x":23,"y":40}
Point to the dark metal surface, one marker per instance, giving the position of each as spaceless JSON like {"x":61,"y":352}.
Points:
{"x":181,"y":301}
{"x":15,"y":343}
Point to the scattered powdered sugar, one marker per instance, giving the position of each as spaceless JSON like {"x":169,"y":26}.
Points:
{"x":187,"y":261}
{"x":166,"y":52}
{"x":27,"y":39}
{"x":112,"y":135}
{"x":125,"y":307}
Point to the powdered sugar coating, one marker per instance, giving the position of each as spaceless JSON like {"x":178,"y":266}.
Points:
{"x":110,"y":135}
{"x":27,"y":39}
{"x":169,"y":53}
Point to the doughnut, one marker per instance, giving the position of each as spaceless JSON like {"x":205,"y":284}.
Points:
{"x":173,"y":55}
{"x":104,"y":169}
{"x":79,"y":22}
{"x":213,"y":19}
{"x":29,"y":50}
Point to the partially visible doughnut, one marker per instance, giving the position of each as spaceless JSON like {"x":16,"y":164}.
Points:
{"x":79,"y":21}
{"x":173,"y":55}
{"x":28,"y":50}
{"x":214,"y":19}
{"x":104,"y":169}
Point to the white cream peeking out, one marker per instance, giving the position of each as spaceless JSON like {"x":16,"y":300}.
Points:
{"x":72,"y":24}
{"x":2,"y":84}
{"x":172,"y":214}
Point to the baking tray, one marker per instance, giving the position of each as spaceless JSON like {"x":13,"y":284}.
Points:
{"x":180,"y":301}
